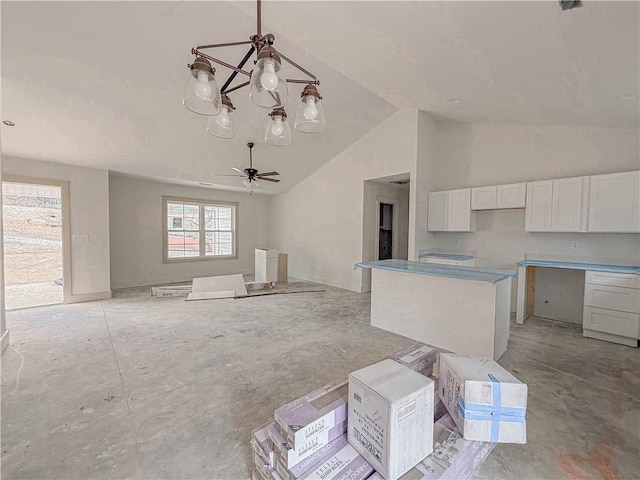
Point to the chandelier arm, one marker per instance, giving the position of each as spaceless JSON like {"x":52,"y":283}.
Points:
{"x":237,"y":87}
{"x":224,"y":64}
{"x":234,"y":73}
{"x":291,"y":62}
{"x":218,"y":45}
{"x":306,"y":82}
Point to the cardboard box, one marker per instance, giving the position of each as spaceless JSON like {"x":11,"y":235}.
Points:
{"x":262,"y":445}
{"x":302,"y":467}
{"x":345,"y":464}
{"x":291,"y":458}
{"x":454,"y":458}
{"x":418,"y":357}
{"x":312,"y":415}
{"x":486,"y":402}
{"x":390,"y":416}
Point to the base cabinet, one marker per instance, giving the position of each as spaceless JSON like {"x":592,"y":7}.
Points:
{"x":612,"y":311}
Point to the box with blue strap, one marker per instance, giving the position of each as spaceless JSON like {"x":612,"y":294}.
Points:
{"x":486,"y":402}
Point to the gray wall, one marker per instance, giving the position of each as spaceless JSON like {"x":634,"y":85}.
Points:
{"x":136,"y":232}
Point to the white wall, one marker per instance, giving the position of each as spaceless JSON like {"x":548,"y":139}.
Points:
{"x":427,"y":162}
{"x":481,"y":154}
{"x":89,"y":215}
{"x":136,"y":232}
{"x":319,"y":222}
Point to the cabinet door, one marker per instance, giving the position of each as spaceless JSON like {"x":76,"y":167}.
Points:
{"x":614,"y":203}
{"x":438,"y":208}
{"x":538,"y":211}
{"x":460,"y":210}
{"x":566,"y":206}
{"x":511,"y":196}
{"x":483,"y":198}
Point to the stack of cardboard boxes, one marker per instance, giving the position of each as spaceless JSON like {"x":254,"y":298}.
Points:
{"x":417,"y":415}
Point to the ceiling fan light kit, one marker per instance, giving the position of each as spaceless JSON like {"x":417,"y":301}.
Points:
{"x":252,"y":177}
{"x":267,"y":89}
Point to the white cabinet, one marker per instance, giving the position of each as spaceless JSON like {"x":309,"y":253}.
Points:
{"x":511,"y":196}
{"x":450,"y":211}
{"x":611,"y":307}
{"x":557,"y":205}
{"x":614,"y":203}
{"x":538,"y":211}
{"x":483,"y":198}
{"x":498,"y":196}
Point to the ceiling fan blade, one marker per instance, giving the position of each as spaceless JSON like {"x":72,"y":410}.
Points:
{"x":268,"y":174}
{"x":268,"y":179}
{"x":237,"y":170}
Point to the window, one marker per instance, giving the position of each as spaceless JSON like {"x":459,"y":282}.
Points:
{"x":198,"y":229}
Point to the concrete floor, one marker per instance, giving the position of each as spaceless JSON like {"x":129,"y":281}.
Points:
{"x":141,"y":387}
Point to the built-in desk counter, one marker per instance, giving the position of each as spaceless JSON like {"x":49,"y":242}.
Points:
{"x":611,"y":299}
{"x":458,"y":308}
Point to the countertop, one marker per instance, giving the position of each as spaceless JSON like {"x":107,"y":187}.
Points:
{"x":478,"y":274}
{"x":449,"y":256}
{"x":583,"y":264}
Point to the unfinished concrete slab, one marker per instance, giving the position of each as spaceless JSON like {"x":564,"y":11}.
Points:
{"x":141,"y":387}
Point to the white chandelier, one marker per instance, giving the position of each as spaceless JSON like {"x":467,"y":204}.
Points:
{"x":267,"y":89}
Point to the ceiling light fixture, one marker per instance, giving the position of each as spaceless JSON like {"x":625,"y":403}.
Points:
{"x":267,"y":89}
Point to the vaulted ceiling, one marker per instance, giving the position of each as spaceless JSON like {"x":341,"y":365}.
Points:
{"x":99,"y":84}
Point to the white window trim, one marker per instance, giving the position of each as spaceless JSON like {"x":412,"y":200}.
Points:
{"x":202,"y":203}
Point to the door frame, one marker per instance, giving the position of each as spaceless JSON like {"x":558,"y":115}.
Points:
{"x":66,"y":224}
{"x":394,"y":236}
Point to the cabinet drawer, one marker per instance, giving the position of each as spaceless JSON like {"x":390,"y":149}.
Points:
{"x":615,"y":279}
{"x":612,"y":298}
{"x":608,"y":321}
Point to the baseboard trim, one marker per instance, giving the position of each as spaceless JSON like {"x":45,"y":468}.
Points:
{"x":325,"y":281}
{"x":88,"y":297}
{"x":4,"y":341}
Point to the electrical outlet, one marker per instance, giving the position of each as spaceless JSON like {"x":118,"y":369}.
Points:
{"x":456,"y":242}
{"x":80,"y":238}
{"x":574,"y":244}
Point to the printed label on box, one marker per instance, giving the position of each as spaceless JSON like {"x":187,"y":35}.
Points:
{"x":321,"y":425}
{"x":417,"y":353}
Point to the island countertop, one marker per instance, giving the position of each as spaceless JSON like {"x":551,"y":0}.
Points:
{"x":478,"y":274}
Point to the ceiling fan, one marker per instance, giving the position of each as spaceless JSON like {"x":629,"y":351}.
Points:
{"x":251,"y":175}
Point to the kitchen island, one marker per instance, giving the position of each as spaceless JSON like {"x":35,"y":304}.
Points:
{"x":462,"y":309}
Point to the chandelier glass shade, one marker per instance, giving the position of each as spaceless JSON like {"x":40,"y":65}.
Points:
{"x":310,"y":112}
{"x":202,"y":94}
{"x":222,"y":124}
{"x":268,"y":88}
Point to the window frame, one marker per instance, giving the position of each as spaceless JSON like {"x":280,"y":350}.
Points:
{"x":201,"y":203}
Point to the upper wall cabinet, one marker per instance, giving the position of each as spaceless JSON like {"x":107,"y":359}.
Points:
{"x":498,"y":196}
{"x":614,"y":203}
{"x":557,"y":205}
{"x":450,"y":211}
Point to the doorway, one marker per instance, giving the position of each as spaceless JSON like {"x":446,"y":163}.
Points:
{"x":386,"y":242}
{"x":33,"y":227}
